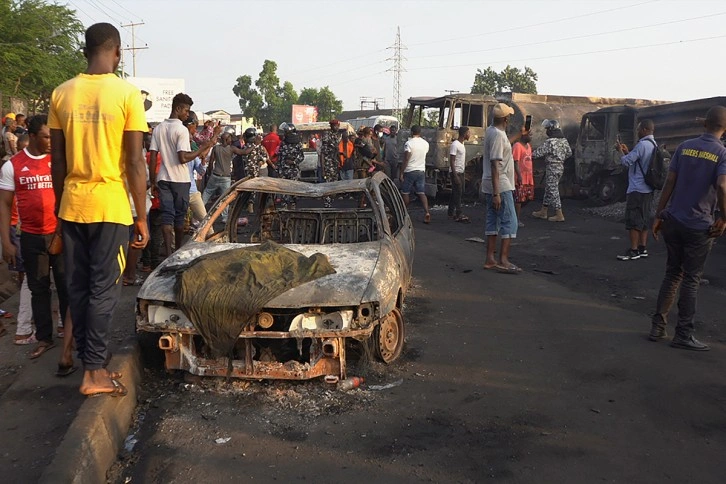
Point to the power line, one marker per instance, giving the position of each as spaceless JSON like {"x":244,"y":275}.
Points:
{"x":93,"y":19}
{"x":573,"y":54}
{"x":127,"y":11}
{"x":133,"y":47}
{"x":344,"y":61}
{"x":576,"y":37}
{"x":538,"y":24}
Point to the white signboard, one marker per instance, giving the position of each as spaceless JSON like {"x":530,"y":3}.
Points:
{"x":158,"y":94}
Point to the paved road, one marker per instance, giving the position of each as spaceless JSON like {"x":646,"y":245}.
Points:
{"x":542,"y":377}
{"x":36,"y":407}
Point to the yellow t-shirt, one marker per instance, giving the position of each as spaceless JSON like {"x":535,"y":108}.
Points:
{"x":94,"y":111}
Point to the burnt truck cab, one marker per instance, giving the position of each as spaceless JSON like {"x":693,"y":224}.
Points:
{"x":454,"y":110}
{"x":597,"y":163}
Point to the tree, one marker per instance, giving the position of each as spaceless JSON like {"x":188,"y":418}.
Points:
{"x":324,"y":99}
{"x":40,"y":48}
{"x":511,"y":79}
{"x":268,"y":102}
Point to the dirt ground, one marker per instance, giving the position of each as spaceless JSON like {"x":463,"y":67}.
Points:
{"x":542,"y":377}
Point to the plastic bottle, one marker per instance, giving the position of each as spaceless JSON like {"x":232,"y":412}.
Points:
{"x":350,"y":383}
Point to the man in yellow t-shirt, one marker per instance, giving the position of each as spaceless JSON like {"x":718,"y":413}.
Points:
{"x":97,"y":123}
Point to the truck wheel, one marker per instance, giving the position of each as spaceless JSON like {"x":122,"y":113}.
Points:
{"x":610,"y":189}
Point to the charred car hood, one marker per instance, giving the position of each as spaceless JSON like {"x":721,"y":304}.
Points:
{"x":349,"y":286}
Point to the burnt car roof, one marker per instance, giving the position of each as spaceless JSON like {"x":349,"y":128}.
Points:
{"x":304,"y":189}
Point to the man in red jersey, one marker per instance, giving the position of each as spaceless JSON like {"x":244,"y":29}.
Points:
{"x":27,"y":176}
{"x":272,"y":142}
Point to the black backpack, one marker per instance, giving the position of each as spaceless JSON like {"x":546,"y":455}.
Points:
{"x":657,"y":172}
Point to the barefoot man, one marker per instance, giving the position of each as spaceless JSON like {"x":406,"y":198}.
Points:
{"x":97,"y":123}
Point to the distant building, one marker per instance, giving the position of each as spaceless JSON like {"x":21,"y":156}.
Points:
{"x":237,"y":122}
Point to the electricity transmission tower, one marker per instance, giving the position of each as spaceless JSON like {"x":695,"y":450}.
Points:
{"x":133,"y":47}
{"x":397,"y":69}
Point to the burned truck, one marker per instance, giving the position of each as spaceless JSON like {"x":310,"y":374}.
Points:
{"x":474,"y":110}
{"x":598,"y":170}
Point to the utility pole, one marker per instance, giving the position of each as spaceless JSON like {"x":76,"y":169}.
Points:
{"x":397,"y":69}
{"x":133,"y":47}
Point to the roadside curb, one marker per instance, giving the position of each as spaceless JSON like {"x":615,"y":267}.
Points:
{"x":94,"y":438}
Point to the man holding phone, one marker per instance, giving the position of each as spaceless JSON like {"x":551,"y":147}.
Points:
{"x":639,"y":198}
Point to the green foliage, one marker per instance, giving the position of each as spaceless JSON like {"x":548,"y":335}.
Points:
{"x":268,"y":102}
{"x":511,"y":79}
{"x":40,"y":48}
{"x":328,"y":105}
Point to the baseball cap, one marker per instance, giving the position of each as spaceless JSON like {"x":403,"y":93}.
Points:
{"x":501,"y":110}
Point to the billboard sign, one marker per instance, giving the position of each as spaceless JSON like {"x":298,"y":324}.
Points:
{"x":304,"y":114}
{"x":157,"y":94}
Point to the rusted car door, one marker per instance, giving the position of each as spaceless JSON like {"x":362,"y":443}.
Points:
{"x":399,"y":226}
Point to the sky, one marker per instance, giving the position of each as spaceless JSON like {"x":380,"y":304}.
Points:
{"x":649,"y":49}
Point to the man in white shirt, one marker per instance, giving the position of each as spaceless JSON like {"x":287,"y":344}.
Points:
{"x":457,"y":161}
{"x":498,"y":188}
{"x":171,"y":139}
{"x":413,"y":170}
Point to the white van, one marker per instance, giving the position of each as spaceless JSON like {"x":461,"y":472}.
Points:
{"x":385,"y":121}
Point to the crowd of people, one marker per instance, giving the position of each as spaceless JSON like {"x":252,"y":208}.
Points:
{"x":691,"y":212}
{"x":85,"y":196}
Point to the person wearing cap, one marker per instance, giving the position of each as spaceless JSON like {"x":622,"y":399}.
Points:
{"x":498,"y":188}
{"x":555,"y":150}
{"x":329,"y":155}
{"x":10,"y":141}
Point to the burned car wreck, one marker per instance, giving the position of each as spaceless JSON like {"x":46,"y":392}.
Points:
{"x":302,"y":332}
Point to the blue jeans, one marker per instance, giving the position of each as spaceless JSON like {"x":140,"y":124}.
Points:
{"x":502,"y":222}
{"x":347,"y":174}
{"x":216,"y":187}
{"x":414,"y":180}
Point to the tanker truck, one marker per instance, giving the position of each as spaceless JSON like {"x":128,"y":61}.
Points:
{"x":474,"y":111}
{"x":598,"y":170}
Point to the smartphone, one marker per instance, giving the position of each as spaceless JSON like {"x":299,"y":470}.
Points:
{"x":528,"y":122}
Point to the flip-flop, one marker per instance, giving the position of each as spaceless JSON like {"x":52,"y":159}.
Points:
{"x":512,"y":269}
{"x":427,"y":218}
{"x":41,"y":349}
{"x":463,"y":219}
{"x":64,"y":370}
{"x":490,"y":268}
{"x":118,"y":391}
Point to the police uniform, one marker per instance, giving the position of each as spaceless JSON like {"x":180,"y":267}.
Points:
{"x":329,"y":150}
{"x":254,"y":160}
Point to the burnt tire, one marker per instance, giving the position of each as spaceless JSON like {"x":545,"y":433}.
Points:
{"x":387,"y":339}
{"x":610,"y":189}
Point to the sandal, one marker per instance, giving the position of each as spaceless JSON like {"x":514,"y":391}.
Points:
{"x":136,"y":282}
{"x":26,"y":340}
{"x":42,"y":347}
{"x":512,"y":269}
{"x":463,"y":219}
{"x":65,"y":370}
{"x":118,"y":391}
